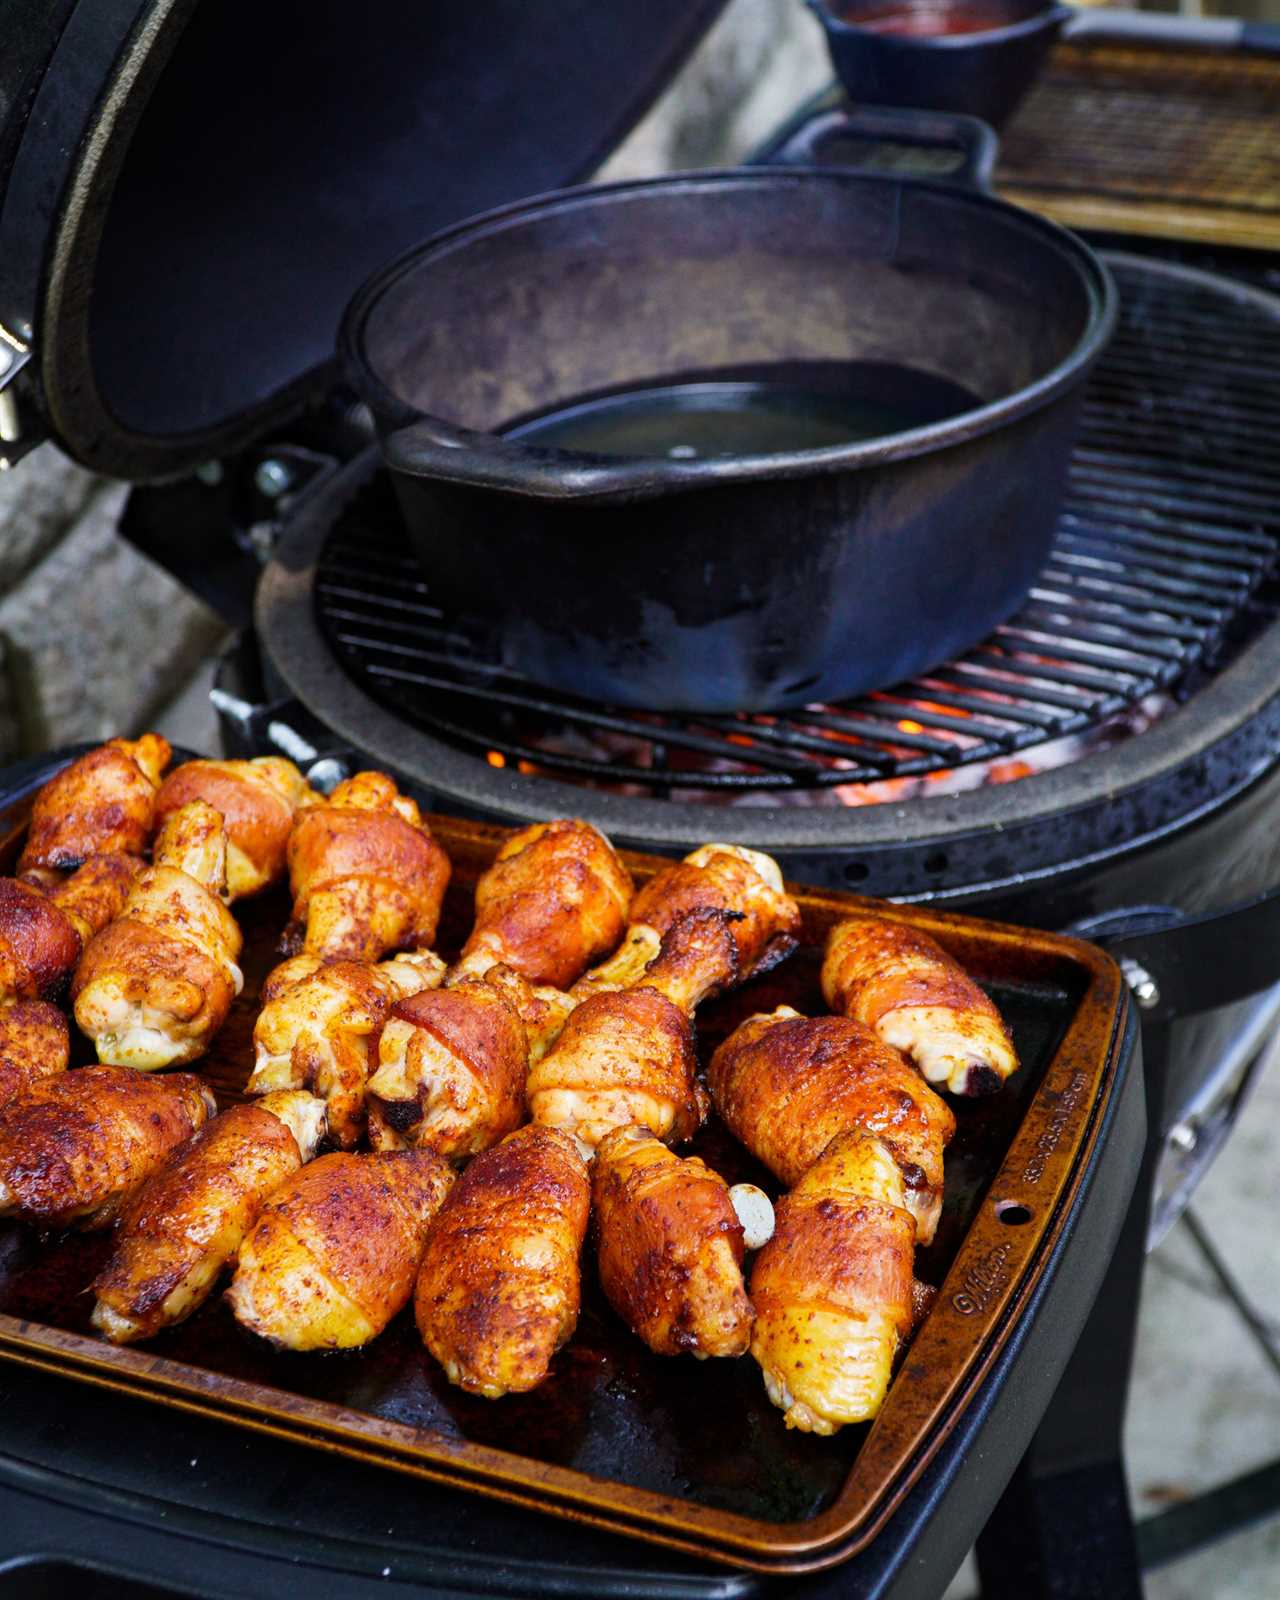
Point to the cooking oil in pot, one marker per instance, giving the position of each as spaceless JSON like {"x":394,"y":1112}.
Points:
{"x":759,"y":410}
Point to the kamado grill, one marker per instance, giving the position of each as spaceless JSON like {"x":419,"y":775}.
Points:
{"x":1105,"y":763}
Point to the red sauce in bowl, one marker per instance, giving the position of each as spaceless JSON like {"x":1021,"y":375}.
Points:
{"x":930,"y":21}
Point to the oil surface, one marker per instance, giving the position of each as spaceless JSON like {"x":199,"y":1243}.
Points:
{"x":759,"y":410}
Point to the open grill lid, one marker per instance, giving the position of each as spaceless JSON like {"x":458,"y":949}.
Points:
{"x":189,"y":194}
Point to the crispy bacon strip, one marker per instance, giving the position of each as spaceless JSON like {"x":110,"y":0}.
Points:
{"x":104,"y":802}
{"x":45,"y":925}
{"x":189,"y":1219}
{"x":670,"y":1247}
{"x":155,"y":985}
{"x":833,"y":1288}
{"x":75,"y":1147}
{"x":499,"y":1287}
{"x":554,"y":900}
{"x":335,"y":1250}
{"x":34,"y":1043}
{"x":918,"y":999}
{"x":367,"y":876}
{"x":257,"y":800}
{"x":451,"y":1072}
{"x":785,"y":1085}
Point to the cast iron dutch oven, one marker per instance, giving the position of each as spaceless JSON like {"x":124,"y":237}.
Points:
{"x":748,"y":580}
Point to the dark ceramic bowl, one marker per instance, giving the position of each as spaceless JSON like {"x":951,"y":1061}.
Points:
{"x":978,"y":57}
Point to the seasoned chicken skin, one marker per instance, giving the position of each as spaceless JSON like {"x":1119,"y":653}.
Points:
{"x":39,"y":946}
{"x":367,"y":876}
{"x":75,"y":1147}
{"x":34,"y":1044}
{"x":188,"y":1220}
{"x":44,"y":926}
{"x":727,"y":877}
{"x":833,"y":1288}
{"x":499,"y":1286}
{"x":334,"y":1252}
{"x":669,"y":1247}
{"x":95,"y":893}
{"x":785,"y":1085}
{"x":154,"y":986}
{"x":918,"y":999}
{"x":257,"y":801}
{"x":451,"y":1072}
{"x":554,"y":900}
{"x":542,"y":1009}
{"x":629,"y":1056}
{"x":321,"y":1033}
{"x":104,"y":802}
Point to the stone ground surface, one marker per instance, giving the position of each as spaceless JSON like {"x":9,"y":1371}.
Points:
{"x":93,"y":637}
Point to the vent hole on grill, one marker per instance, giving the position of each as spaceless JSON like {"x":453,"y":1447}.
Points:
{"x":935,"y":863}
{"x":856,"y":872}
{"x":1013,"y":1212}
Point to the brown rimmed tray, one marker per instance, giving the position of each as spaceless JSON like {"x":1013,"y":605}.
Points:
{"x":686,"y":1454}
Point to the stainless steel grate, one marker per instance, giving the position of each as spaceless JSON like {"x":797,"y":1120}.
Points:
{"x":1167,"y":549}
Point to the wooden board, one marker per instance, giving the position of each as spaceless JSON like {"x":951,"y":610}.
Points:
{"x":1153,"y":140}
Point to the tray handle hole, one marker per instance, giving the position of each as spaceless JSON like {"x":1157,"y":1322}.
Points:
{"x":1013,"y":1213}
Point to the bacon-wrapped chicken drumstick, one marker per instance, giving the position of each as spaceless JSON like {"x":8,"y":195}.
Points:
{"x":832,"y":1289}
{"x":451,"y":1072}
{"x":74,"y":1148}
{"x":905,"y":986}
{"x":334,"y":1252}
{"x":154,"y":986}
{"x":320,"y":1033}
{"x":785,"y":1085}
{"x":257,"y":800}
{"x":746,"y":884}
{"x":34,"y":1043}
{"x":188,"y":1220}
{"x":367,"y":876}
{"x":669,"y":1247}
{"x":103,"y":803}
{"x":498,"y":1290}
{"x":629,"y":1056}
{"x":554,"y":900}
{"x":44,"y":926}
{"x":727,"y":877}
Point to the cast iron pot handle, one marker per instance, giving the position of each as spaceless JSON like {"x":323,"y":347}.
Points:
{"x":929,"y":130}
{"x":1151,"y":27}
{"x":430,"y":448}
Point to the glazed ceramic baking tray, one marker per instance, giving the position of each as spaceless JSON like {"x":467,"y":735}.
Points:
{"x":684,"y":1453}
